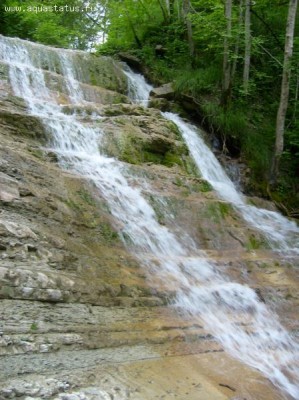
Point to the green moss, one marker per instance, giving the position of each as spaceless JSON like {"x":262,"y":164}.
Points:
{"x":108,"y":233}
{"x":38,"y":153}
{"x":86,"y":197}
{"x":119,"y":121}
{"x":171,"y":159}
{"x":225,"y":209}
{"x":73,"y":205}
{"x":178,"y":181}
{"x":185,"y":192}
{"x":134,"y":150}
{"x":181,"y":149}
{"x":202,"y":186}
{"x":189,"y":166}
{"x":111,"y":112}
{"x":129,"y":149}
{"x":117,"y":99}
{"x":254,"y":243}
{"x":155,"y":158}
{"x":34,"y":326}
{"x":173,"y":128}
{"x":158,"y":208}
{"x":92,"y":78}
{"x":218,"y":211}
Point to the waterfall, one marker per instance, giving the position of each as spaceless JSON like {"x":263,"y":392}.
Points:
{"x":282,"y":233}
{"x":139,"y":89}
{"x":227,"y":308}
{"x":221,"y":303}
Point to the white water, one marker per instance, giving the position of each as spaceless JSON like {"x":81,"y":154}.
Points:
{"x":223,"y":304}
{"x":232,"y":312}
{"x":138,"y":89}
{"x":281,"y":232}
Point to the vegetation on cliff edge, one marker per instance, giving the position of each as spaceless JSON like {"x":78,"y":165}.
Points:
{"x":237,"y":59}
{"x":229,"y":57}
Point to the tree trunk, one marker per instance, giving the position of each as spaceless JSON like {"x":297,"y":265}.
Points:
{"x":172,"y":8}
{"x":164,"y":11}
{"x":186,"y":10}
{"x":226,"y":87}
{"x":136,"y":38}
{"x":177,"y":5}
{"x":284,"y":94}
{"x":167,"y":6}
{"x":247,"y":46}
{"x":240,"y":24}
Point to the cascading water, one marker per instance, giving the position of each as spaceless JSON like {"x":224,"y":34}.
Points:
{"x":138,"y":89}
{"x":221,"y":303}
{"x":281,"y":232}
{"x":232,"y":312}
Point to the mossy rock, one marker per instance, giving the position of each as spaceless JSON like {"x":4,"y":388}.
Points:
{"x":138,"y":139}
{"x":218,"y":211}
{"x":4,"y":72}
{"x":24,"y":125}
{"x":197,"y":185}
{"x":102,"y":71}
{"x":255,"y":243}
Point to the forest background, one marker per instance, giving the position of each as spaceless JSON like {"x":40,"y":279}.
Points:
{"x":238,"y":60}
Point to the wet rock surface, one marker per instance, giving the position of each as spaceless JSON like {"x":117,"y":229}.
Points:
{"x":164,"y":92}
{"x":79,"y":318}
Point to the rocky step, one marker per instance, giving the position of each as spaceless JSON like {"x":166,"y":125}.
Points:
{"x":202,"y":376}
{"x":32,"y":327}
{"x":111,"y":76}
{"x":32,"y":318}
{"x":22,"y":364}
{"x":11,"y":345}
{"x":92,"y":95}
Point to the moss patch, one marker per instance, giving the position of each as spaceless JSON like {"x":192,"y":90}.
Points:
{"x":218,"y":211}
{"x":255,"y":243}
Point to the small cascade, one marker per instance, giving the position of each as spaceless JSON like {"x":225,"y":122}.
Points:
{"x":232,"y":312}
{"x":73,"y":85}
{"x":282,"y":233}
{"x":139,"y":89}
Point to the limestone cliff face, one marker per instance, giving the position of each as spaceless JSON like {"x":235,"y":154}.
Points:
{"x":80,"y":318}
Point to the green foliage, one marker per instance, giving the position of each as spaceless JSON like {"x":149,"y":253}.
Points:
{"x":230,"y":122}
{"x":245,"y":120}
{"x":197,"y":82}
{"x":128,"y":22}
{"x":54,"y":23}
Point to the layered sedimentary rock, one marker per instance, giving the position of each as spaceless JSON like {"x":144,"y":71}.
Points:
{"x":80,"y":317}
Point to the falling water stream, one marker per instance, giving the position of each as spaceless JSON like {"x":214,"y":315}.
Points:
{"x":281,"y":233}
{"x":227,"y":308}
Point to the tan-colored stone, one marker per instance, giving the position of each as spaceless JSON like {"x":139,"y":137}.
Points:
{"x":80,"y":318}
